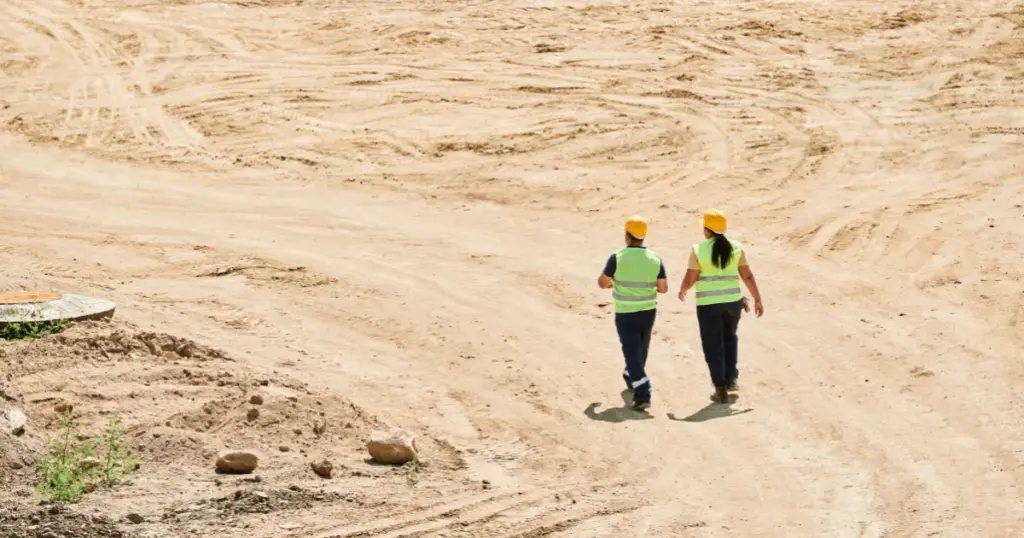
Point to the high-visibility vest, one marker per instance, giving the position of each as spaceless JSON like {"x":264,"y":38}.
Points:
{"x":714,"y":285}
{"x":635,"y":280}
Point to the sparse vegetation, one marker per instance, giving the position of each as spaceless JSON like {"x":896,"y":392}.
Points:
{"x":71,"y":470}
{"x":245,"y":383}
{"x":31,"y":330}
{"x":412,"y":471}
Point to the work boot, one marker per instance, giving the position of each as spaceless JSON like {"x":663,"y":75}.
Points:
{"x":734,"y":386}
{"x":641,"y":406}
{"x":721,"y":395}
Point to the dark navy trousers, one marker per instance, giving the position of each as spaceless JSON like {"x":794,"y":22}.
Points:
{"x":718,"y":323}
{"x":634,"y":330}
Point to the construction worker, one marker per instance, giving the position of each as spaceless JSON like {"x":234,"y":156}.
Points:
{"x":716,"y":267}
{"x":636,"y":275}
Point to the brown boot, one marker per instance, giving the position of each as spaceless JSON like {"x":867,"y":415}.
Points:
{"x":734,"y":386}
{"x":721,"y":396}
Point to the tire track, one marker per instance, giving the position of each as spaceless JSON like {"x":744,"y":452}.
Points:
{"x":477,"y":509}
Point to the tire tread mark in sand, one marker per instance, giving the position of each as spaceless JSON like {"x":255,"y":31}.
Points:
{"x":476,"y":508}
{"x":565,"y":524}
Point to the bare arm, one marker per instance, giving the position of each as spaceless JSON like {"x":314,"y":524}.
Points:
{"x":748,"y":278}
{"x":689,"y":280}
{"x":662,"y":285}
{"x":604,"y":282}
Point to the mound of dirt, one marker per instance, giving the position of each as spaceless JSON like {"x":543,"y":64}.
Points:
{"x":96,"y":342}
{"x":181,"y":403}
{"x":53,"y":521}
{"x":257,"y":501}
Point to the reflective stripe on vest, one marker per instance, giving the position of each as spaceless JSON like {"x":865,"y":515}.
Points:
{"x":635,"y":282}
{"x":716,"y":285}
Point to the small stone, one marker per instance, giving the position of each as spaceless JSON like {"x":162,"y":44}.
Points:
{"x":319,"y":428}
{"x":63,"y":407}
{"x":253,"y":414}
{"x":237,"y":461}
{"x":89,"y":463}
{"x":256,"y":399}
{"x":283,"y":448}
{"x":297,"y":431}
{"x":261,"y":495}
{"x":135,"y":518}
{"x":392,"y":448}
{"x":16,"y":465}
{"x":13,"y":421}
{"x":322,"y":469}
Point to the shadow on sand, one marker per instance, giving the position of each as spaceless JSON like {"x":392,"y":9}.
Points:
{"x":713,"y":411}
{"x":617,"y":414}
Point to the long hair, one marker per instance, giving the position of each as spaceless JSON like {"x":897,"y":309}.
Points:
{"x":721,"y":251}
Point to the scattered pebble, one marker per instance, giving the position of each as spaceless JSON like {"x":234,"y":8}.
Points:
{"x":322,"y":469}
{"x":253,"y":414}
{"x":135,"y":518}
{"x":256,"y":399}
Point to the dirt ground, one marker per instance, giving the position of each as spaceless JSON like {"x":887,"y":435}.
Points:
{"x":383,"y":215}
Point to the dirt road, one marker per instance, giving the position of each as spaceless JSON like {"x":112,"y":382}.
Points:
{"x":408,"y":204}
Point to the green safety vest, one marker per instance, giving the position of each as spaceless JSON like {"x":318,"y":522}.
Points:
{"x":635,"y":280}
{"x":714,"y":285}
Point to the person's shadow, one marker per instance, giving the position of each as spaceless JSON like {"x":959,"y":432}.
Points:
{"x":713,"y":411}
{"x":617,"y":414}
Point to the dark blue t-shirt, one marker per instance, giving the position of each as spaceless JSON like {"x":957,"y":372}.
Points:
{"x":612,"y":264}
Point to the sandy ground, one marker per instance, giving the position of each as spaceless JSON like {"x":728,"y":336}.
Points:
{"x":395,"y":213}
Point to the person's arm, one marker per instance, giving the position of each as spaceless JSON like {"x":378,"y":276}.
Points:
{"x":690,"y":279}
{"x":605,"y":280}
{"x":662,"y":279}
{"x":748,"y":278}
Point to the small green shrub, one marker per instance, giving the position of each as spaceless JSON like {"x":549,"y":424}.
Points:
{"x":31,"y":329}
{"x":70,"y":469}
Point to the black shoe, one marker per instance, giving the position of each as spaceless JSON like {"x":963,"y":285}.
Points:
{"x":641,"y":406}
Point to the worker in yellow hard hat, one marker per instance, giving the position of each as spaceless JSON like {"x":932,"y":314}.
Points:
{"x":716,"y":267}
{"x":636,"y":276}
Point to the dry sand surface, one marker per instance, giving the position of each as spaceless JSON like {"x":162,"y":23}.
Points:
{"x":392,"y":215}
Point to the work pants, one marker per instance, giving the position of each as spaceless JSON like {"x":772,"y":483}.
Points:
{"x":718,"y":324}
{"x":634,"y":330}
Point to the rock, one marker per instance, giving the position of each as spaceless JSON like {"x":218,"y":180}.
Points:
{"x":256,"y":399}
{"x":13,"y":421}
{"x":135,"y":518}
{"x":322,"y":469}
{"x":283,"y":448}
{"x":392,"y":448}
{"x":8,"y":393}
{"x":16,"y":465}
{"x":319,"y":428}
{"x":237,"y":461}
{"x":63,"y":407}
{"x":89,"y":463}
{"x":253,"y":414}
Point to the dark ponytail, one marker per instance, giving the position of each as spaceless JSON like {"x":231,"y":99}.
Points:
{"x":721,"y":251}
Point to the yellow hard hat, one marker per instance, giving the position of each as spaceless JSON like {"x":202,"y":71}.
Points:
{"x":714,"y":220}
{"x":636,"y":226}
